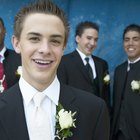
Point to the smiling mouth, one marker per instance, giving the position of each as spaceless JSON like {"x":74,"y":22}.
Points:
{"x":43,"y":62}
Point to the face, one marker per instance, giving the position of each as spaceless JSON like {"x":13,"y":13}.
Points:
{"x":88,"y":41}
{"x":2,"y":35}
{"x":41,"y":45}
{"x":132,"y":45}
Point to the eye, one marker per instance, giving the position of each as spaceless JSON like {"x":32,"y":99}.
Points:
{"x":136,"y":38}
{"x":34,"y":39}
{"x":55,"y":42}
{"x":126,"y":39}
{"x":89,"y":38}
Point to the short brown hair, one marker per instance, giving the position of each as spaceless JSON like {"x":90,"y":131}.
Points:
{"x":40,"y":6}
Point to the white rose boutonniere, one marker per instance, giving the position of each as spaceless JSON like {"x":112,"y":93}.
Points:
{"x":135,"y":85}
{"x":107,"y":79}
{"x":64,"y":122}
{"x":19,"y":71}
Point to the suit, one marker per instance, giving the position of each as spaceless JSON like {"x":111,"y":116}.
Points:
{"x":11,"y":62}
{"x":123,"y":93}
{"x":92,"y":121}
{"x":72,"y":71}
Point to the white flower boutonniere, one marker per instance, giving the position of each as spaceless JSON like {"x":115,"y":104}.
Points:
{"x":106,"y":79}
{"x":135,"y":85}
{"x":19,"y":71}
{"x":64,"y":122}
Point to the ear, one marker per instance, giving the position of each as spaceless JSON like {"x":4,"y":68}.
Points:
{"x":77,"y":38}
{"x":16,"y":44}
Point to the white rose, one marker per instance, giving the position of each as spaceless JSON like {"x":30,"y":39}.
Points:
{"x":135,"y":85}
{"x":19,"y":70}
{"x":65,"y":119}
{"x":107,"y":78}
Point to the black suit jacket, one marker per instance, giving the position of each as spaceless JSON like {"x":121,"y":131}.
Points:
{"x":92,"y":121}
{"x":11,"y":62}
{"x":72,"y":71}
{"x":132,"y":100}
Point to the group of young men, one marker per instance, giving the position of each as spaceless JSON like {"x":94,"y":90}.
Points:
{"x":78,"y":81}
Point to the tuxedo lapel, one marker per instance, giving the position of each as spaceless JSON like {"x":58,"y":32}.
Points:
{"x":80,"y":65}
{"x":99,"y":71}
{"x":13,"y":107}
{"x":67,"y":100}
{"x":123,"y":77}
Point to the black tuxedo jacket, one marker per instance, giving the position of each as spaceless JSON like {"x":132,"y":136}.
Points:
{"x":72,"y":72}
{"x":11,"y":62}
{"x":132,"y":100}
{"x":92,"y":121}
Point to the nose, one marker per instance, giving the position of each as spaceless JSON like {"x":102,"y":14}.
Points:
{"x":92,"y":42}
{"x":130,"y":42}
{"x":44,"y":47}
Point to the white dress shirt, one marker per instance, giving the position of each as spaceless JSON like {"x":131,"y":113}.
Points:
{"x":91,"y":61}
{"x":129,"y":62}
{"x":49,"y":104}
{"x":2,"y":54}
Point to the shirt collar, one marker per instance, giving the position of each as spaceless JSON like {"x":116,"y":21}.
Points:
{"x":2,"y":53}
{"x":129,"y":62}
{"x":133,"y":61}
{"x":28,"y":91}
{"x":83,"y":56}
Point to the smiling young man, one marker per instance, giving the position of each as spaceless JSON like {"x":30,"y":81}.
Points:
{"x":40,"y":36}
{"x":126,"y":100}
{"x":72,"y":69}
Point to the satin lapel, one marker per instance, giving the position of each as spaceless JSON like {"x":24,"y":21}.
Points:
{"x":79,"y":64}
{"x":67,"y":99}
{"x":123,"y":76}
{"x":99,"y":71}
{"x":15,"y":127}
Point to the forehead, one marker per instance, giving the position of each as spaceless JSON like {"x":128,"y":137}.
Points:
{"x":132,"y":34}
{"x":43,"y":23}
{"x":90,"y":31}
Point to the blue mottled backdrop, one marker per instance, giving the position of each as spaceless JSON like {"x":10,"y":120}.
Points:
{"x":111,"y":15}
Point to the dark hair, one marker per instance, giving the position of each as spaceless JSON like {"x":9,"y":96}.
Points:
{"x":131,"y":27}
{"x":2,"y":22}
{"x":85,"y":25}
{"x":40,"y":6}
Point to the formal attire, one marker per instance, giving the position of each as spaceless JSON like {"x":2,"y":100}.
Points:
{"x":11,"y":60}
{"x":72,"y":71}
{"x":92,"y":120}
{"x":126,"y":102}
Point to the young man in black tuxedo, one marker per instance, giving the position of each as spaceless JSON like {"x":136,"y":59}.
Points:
{"x":9,"y":60}
{"x":73,"y":67}
{"x":40,"y":36}
{"x":126,"y":101}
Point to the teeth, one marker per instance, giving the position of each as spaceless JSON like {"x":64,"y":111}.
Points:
{"x":42,"y":62}
{"x":131,"y":49}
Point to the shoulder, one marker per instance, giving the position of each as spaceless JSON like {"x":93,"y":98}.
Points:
{"x":9,"y":96}
{"x":11,"y":56}
{"x":11,"y":53}
{"x":121,"y":66}
{"x":100,"y":60}
{"x":84,"y":99}
{"x":69,"y":55}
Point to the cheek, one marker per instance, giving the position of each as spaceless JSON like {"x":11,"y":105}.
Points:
{"x":59,"y":53}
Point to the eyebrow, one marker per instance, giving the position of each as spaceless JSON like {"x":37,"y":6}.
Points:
{"x":34,"y":33}
{"x":38,"y":34}
{"x":56,"y":36}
